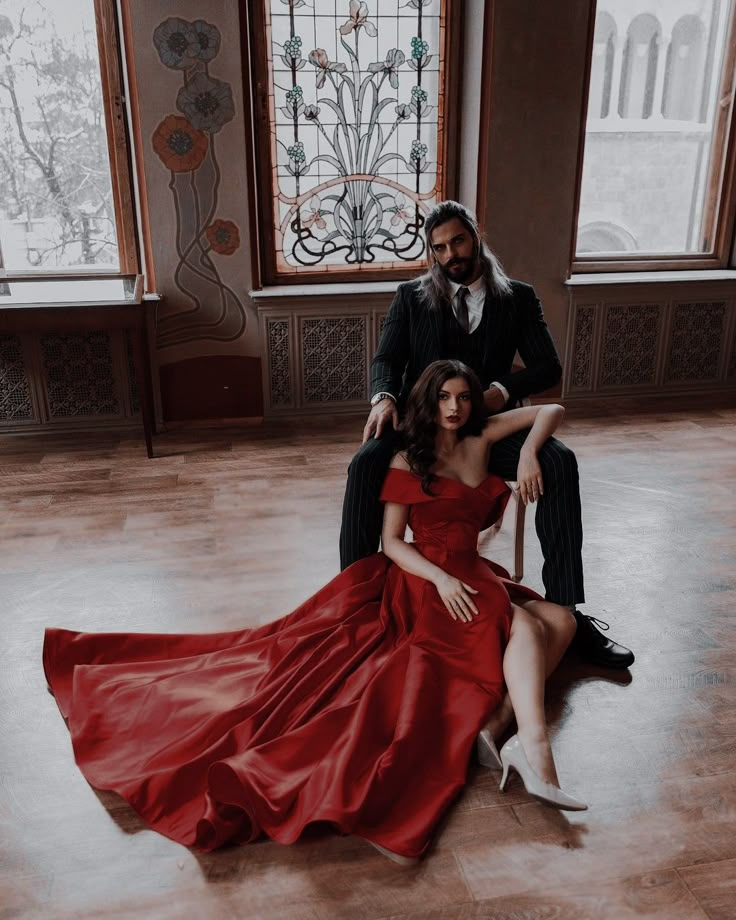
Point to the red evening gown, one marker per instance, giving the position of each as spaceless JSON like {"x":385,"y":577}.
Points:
{"x":358,"y":709}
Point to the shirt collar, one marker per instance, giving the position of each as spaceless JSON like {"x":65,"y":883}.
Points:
{"x":477,"y":287}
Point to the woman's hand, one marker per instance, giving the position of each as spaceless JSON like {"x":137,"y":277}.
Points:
{"x":529,"y":477}
{"x":456,"y":596}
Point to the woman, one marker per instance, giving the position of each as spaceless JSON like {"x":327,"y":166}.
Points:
{"x":449,"y":438}
{"x":360,"y":708}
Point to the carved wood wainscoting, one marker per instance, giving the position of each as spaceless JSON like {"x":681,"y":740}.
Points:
{"x":318,"y":348}
{"x":67,"y":381}
{"x":653,"y":338}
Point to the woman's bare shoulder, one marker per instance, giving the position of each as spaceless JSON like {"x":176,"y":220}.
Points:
{"x":399,"y":462}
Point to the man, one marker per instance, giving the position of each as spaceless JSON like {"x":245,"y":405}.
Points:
{"x":466,"y":307}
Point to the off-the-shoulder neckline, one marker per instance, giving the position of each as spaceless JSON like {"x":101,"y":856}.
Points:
{"x":395,"y":469}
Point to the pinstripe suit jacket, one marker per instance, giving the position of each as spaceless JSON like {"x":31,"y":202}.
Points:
{"x":412,"y":338}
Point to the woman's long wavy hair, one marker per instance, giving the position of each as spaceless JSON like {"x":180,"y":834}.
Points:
{"x":419,"y":425}
{"x":434,"y":288}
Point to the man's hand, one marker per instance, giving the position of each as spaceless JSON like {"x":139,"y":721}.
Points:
{"x":494,"y":399}
{"x":382,"y":414}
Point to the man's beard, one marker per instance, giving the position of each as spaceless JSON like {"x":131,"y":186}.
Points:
{"x":461,"y":270}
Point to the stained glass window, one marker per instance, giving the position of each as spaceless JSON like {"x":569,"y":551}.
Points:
{"x":355,"y":108}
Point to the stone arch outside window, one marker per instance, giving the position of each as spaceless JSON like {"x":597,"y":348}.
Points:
{"x":685,"y":70}
{"x":601,"y":76}
{"x":636,"y":96}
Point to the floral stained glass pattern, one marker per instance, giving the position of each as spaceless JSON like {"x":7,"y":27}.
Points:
{"x":356,"y":97}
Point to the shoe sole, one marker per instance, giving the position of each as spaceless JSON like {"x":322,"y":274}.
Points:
{"x":613,"y":666}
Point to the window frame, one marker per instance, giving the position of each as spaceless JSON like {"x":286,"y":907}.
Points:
{"x":257,"y":130}
{"x":118,"y":149}
{"x":719,"y":207}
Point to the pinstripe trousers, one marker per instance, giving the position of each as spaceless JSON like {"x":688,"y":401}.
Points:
{"x":558,"y":517}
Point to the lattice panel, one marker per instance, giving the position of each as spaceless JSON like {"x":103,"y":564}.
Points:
{"x":629,"y":351}
{"x":334,"y":359}
{"x":135,"y":396}
{"x":582,"y":361}
{"x":80,"y":378}
{"x":695,"y":344}
{"x":15,"y":393}
{"x":279,"y":362}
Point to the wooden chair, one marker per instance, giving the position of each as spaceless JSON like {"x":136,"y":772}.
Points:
{"x":519,"y":524}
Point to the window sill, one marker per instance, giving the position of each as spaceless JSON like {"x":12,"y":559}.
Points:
{"x":593,"y":279}
{"x":298,"y":291}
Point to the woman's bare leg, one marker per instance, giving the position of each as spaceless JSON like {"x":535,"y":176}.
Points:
{"x":559,"y":629}
{"x":524,"y":669}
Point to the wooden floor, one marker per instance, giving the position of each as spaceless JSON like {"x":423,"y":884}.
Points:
{"x":225,"y":529}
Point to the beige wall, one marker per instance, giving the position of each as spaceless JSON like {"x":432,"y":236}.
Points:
{"x":538,"y":77}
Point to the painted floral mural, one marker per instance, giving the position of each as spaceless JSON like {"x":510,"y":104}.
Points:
{"x":185,"y":143}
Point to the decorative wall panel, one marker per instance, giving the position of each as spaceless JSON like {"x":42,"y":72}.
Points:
{"x":731,"y":373}
{"x":15,"y":393}
{"x":80,"y":376}
{"x":334,"y":362}
{"x":279,"y":357}
{"x":629,"y":348}
{"x":695,"y":341}
{"x":583,"y":348}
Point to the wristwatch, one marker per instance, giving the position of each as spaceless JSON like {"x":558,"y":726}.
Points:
{"x":379,"y":396}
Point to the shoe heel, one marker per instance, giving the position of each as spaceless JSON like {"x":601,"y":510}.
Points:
{"x":487,"y":752}
{"x":504,"y":778}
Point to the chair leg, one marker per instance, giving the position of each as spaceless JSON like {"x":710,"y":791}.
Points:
{"x":519,"y":539}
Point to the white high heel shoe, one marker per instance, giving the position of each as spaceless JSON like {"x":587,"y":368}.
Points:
{"x":487,"y":751}
{"x":512,"y":755}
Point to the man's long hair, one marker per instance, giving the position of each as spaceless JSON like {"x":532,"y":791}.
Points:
{"x":434,"y":287}
{"x":419,"y":426}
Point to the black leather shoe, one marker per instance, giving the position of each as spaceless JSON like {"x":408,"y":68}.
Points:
{"x":592,"y":646}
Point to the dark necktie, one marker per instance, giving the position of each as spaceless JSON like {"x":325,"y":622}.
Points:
{"x":462,"y":309}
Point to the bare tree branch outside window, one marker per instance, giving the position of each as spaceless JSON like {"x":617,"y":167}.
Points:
{"x":56,"y":205}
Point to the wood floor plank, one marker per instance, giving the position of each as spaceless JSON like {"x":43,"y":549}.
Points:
{"x":714,"y":887}
{"x":656,"y":896}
